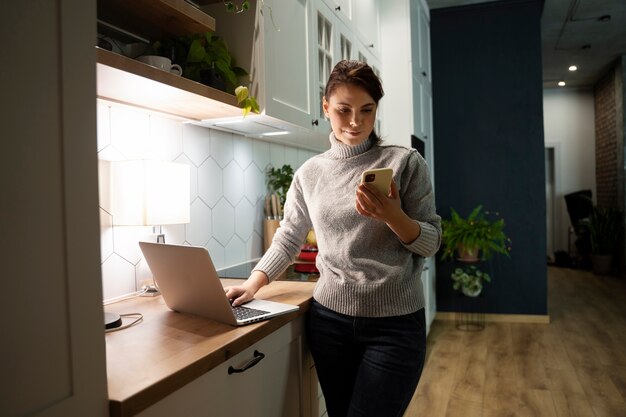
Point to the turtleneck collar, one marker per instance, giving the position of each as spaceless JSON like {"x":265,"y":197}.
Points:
{"x":339,"y":150}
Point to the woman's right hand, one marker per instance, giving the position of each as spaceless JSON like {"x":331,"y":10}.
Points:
{"x":240,"y":294}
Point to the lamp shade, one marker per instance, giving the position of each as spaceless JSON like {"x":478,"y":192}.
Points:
{"x":149,"y":193}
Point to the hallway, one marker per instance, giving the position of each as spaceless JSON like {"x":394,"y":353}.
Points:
{"x":573,"y":367}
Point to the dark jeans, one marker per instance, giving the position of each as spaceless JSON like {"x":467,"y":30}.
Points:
{"x":366,"y":366}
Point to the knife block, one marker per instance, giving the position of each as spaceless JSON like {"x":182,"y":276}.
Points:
{"x":269,"y":228}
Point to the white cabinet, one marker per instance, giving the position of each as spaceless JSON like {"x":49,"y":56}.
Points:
{"x":270,"y":386}
{"x":273,"y":41}
{"x":53,"y":354}
{"x":367,"y":24}
{"x":421,"y":75}
{"x":428,"y":282}
{"x":334,"y":41}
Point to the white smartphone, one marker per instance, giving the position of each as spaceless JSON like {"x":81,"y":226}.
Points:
{"x":379,"y":178}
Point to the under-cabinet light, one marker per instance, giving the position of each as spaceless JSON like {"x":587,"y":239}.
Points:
{"x":573,"y":68}
{"x":561,"y":83}
{"x":279,"y":133}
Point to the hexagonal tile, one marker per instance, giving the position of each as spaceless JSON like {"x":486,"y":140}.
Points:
{"x":233,"y":183}
{"x":196,"y":143}
{"x":244,"y":219}
{"x":174,"y":233}
{"x":110,"y":153}
{"x":216,"y":250}
{"x":222,"y":148}
{"x":210,"y":182}
{"x":235,"y":252}
{"x":291,"y":157}
{"x":261,"y":154}
{"x":198,"y":232}
{"x":129,"y":131}
{"x":104,"y":125}
{"x":277,"y":155}
{"x":223,"y":222}
{"x":303,"y":156}
{"x":126,"y":241}
{"x":243,"y":151}
{"x":118,"y":278}
{"x":193,"y":176}
{"x":104,"y":189}
{"x":259,"y":216}
{"x":106,"y":235}
{"x":143,"y":275}
{"x":254,"y":184}
{"x":165,"y":140}
{"x":254,"y":246}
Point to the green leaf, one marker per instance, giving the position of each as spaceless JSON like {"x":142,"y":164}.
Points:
{"x":242,"y":93}
{"x":196,"y":52}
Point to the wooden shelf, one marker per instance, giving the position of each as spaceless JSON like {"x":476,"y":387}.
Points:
{"x":155,"y":19}
{"x":127,"y":81}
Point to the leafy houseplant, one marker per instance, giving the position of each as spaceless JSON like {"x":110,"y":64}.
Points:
{"x":476,"y":235}
{"x":205,"y":58}
{"x":469,"y":280}
{"x":279,"y":180}
{"x":605,"y":225}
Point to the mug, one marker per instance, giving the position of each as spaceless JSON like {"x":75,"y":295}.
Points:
{"x":161,"y":63}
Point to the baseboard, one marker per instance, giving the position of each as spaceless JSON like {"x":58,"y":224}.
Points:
{"x":501,"y":318}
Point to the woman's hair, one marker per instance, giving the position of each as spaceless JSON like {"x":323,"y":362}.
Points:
{"x":358,"y":74}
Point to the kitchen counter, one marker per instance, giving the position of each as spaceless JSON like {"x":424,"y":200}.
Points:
{"x":168,"y":350}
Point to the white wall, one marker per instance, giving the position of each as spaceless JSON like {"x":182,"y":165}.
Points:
{"x":228,"y":186}
{"x":569,"y":126}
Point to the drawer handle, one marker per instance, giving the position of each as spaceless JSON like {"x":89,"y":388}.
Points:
{"x":258,"y":357}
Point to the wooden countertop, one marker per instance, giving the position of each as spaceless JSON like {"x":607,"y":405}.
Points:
{"x":166,"y":351}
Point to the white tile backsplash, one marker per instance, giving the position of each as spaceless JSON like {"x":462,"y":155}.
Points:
{"x":228,"y":183}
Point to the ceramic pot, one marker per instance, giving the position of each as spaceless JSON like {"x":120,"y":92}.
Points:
{"x":467,"y":254}
{"x":472,"y":292}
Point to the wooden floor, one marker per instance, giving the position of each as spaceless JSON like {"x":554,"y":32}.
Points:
{"x":573,"y":367}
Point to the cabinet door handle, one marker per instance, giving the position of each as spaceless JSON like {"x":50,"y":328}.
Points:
{"x":315,"y":122}
{"x":338,"y":8}
{"x":258,"y":357}
{"x":424,"y":73}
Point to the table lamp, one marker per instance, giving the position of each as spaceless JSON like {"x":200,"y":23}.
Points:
{"x":149,"y":193}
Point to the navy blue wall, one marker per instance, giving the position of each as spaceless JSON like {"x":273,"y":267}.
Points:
{"x":489,"y":144}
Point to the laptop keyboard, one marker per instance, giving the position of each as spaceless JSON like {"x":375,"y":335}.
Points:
{"x":242,"y":313}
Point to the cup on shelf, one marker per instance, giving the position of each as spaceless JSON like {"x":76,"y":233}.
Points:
{"x":161,"y":63}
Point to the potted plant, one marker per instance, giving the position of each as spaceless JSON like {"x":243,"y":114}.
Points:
{"x":475,"y":237}
{"x":279,"y":180}
{"x":469,"y":280}
{"x":605,"y":225}
{"x":205,"y":58}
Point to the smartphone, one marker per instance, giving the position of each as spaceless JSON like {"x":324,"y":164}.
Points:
{"x":379,"y":178}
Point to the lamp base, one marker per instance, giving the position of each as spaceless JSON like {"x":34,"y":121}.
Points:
{"x":151,"y":291}
{"x":112,"y":320}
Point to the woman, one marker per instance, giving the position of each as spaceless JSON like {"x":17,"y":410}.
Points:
{"x":366,"y":325}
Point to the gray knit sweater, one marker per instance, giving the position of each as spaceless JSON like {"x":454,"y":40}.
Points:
{"x":365,"y":269}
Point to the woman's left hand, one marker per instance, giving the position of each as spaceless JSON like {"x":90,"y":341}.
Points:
{"x":387,"y":208}
{"x":372,"y":203}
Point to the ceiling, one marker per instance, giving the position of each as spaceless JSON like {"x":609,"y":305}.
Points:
{"x":573,"y":33}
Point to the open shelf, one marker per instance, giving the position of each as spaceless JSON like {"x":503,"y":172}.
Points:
{"x":127,"y":81}
{"x":155,"y":19}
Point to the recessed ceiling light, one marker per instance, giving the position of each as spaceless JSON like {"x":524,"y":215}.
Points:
{"x":573,"y":67}
{"x":561,"y":83}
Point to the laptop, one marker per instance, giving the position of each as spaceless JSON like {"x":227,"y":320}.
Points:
{"x":189,"y":283}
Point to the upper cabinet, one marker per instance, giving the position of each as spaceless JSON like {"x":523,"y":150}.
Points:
{"x":405,"y":39}
{"x":368,"y":25}
{"x":288,"y":48}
